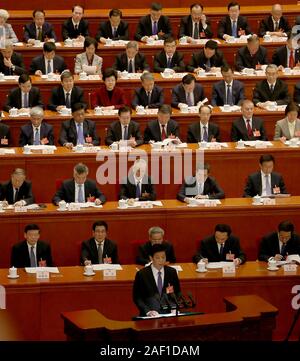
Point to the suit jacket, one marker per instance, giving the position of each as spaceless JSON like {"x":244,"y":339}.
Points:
{"x":199,"y":60}
{"x":20,"y":257}
{"x":211,"y":188}
{"x":245,"y":60}
{"x":268,"y":25}
{"x":114,"y":133}
{"x":280,"y":56}
{"x":282,"y":129}
{"x":269,"y":246}
{"x":219,"y":93}
{"x":38,"y":63}
{"x":9,"y":33}
{"x":144,"y":251}
{"x":100,"y":98}
{"x":160,"y":62}
{"x":239,"y":130}
{"x":141,"y":97}
{"x":144,"y":27}
{"x":297,"y":93}
{"x":14,"y":99}
{"x":186,"y":28}
{"x":209,"y":249}
{"x":145,"y":292}
{"x":4,"y":135}
{"x":140,"y":62}
{"x":31,"y":33}
{"x":280,"y":94}
{"x":58,"y":97}
{"x":89,"y":251}
{"x":152,"y":131}
{"x":17,"y":60}
{"x":81,"y":59}
{"x":254,"y":185}
{"x":27,"y":137}
{"x":224,"y":26}
{"x":68,"y":30}
{"x":105,"y":31}
{"x":25,"y":192}
{"x":67,"y":191}
{"x":194,"y":129}
{"x":128,"y":189}
{"x":68,"y":132}
{"x":178,"y":95}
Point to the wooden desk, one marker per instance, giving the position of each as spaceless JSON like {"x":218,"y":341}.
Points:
{"x":37,"y":305}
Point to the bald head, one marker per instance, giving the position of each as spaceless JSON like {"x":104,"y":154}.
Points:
{"x":276,"y":11}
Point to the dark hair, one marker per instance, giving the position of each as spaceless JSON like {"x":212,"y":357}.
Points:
{"x":201,"y":166}
{"x":99,"y":224}
{"x":266,"y":158}
{"x":205,"y":106}
{"x":49,"y":46}
{"x":156,"y":6}
{"x":31,"y":227}
{"x":124,"y":109}
{"x":291,"y":107}
{"x":187,"y":79}
{"x":89,"y":41}
{"x":108,"y":72}
{"x":232,"y":4}
{"x":66,"y":74}
{"x":169,"y":40}
{"x":196,"y":5}
{"x":78,"y":5}
{"x":23,"y":78}
{"x":38,"y":11}
{"x":211,"y":44}
{"x":225,"y":68}
{"x":224,"y":228}
{"x":157,"y":247}
{"x":115,"y":12}
{"x":286,"y":226}
{"x":78,"y":106}
{"x":165,"y":109}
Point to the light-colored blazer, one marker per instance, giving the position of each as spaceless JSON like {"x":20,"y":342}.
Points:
{"x":81,"y":59}
{"x":282,"y":129}
{"x":10,"y":34}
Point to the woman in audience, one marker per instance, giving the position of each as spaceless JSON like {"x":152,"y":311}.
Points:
{"x":88,"y":61}
{"x":9,"y":32}
{"x":289,"y":127}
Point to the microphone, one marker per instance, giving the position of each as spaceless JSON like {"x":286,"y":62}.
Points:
{"x":167,"y":306}
{"x":186,"y":303}
{"x":192,"y":299}
{"x":174,"y":298}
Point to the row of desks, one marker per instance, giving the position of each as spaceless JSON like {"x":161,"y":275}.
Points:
{"x":42,"y":302}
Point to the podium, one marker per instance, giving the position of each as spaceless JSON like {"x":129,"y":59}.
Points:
{"x":247,"y":317}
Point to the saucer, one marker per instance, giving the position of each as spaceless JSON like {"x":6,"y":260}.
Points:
{"x":122,"y":207}
{"x":13,"y":277}
{"x":61,"y":210}
{"x":192,"y":205}
{"x":197,"y":270}
{"x":89,"y":274}
{"x":273,"y":268}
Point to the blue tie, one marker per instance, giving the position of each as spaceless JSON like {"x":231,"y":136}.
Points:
{"x":283,"y":249}
{"x":234,"y":29}
{"x":26,"y":101}
{"x":36,"y":137}
{"x":80,"y":194}
{"x":138,"y":190}
{"x":221,"y":249}
{"x":154,"y":29}
{"x":229,"y":99}
{"x":32,"y":257}
{"x":169,"y":62}
{"x":159,"y":283}
{"x":49,"y":67}
{"x":80,"y":138}
{"x":125,"y":132}
{"x":205,"y":135}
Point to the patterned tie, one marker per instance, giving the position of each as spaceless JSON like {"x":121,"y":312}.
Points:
{"x":163,"y":132}
{"x":80,"y":138}
{"x":276,"y":26}
{"x":229,"y":95}
{"x":80,"y":194}
{"x":249,"y":129}
{"x":36,"y":137}
{"x":154,"y":29}
{"x":100,"y":253}
{"x":32,"y":257}
{"x":26,"y":101}
{"x":196,"y":31}
{"x":234,"y":29}
{"x":189,"y":100}
{"x":125,"y":136}
{"x":138,"y":190}
{"x":159,"y":283}
{"x":169,"y":62}
{"x":49,"y":67}
{"x":268,"y":186}
{"x":221,"y":249}
{"x":130,"y":66}
{"x":39,"y":35}
{"x":283,"y":249}
{"x":205,"y":135}
{"x":291,"y":60}
{"x":68,"y":103}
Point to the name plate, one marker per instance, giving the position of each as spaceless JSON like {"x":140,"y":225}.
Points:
{"x":230,"y":269}
{"x":109,"y":273}
{"x":74,"y":207}
{"x":210,"y":204}
{"x":41,"y":274}
{"x":269,"y":201}
{"x":20,"y":209}
{"x":290,"y":267}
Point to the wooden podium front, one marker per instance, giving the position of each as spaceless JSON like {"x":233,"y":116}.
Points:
{"x":247,"y":317}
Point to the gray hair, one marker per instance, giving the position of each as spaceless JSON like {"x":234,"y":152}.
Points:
{"x":147,"y":76}
{"x":132,"y":44}
{"x":4,"y":14}
{"x":8,"y":44}
{"x":272,"y":66}
{"x":154,"y":230}
{"x":81,"y":168}
{"x":19,"y":171}
{"x":36,"y":111}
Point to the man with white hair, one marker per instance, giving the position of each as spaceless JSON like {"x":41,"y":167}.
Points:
{"x":9,"y":32}
{"x":138,"y":184}
{"x":275,"y":24}
{"x":36,"y":131}
{"x":11,"y":63}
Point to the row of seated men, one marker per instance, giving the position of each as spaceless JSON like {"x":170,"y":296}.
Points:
{"x":138,"y":185}
{"x":222,"y":245}
{"x":154,"y":25}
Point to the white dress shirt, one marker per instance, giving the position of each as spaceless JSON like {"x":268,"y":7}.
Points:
{"x":46,"y":65}
{"x":155,"y":273}
{"x":263,"y":183}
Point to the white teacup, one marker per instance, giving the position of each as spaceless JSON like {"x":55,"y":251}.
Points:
{"x":108,"y":41}
{"x":79,"y":148}
{"x":65,"y":111}
{"x":157,"y":146}
{"x":287,"y":70}
{"x":241,"y":144}
{"x":201,"y":72}
{"x":122,"y":203}
{"x":294,"y":142}
{"x":83,"y":75}
{"x":37,"y":42}
{"x":257,"y":199}
{"x":226,"y":107}
{"x":201,"y":266}
{"x":62,"y":205}
{"x":150,"y":40}
{"x":272,"y":107}
{"x":203,"y":144}
{"x":13,"y":272}
{"x":26,"y":149}
{"x":13,"y":112}
{"x":98,"y":111}
{"x":68,"y":42}
{"x":88,"y":269}
{"x":114,"y":146}
{"x":193,"y":201}
{"x":51,"y":76}
{"x":272,"y":263}
{"x":183,"y":40}
{"x":267,"y":37}
{"x":184,"y":108}
{"x":1,"y":76}
{"x":140,"y":109}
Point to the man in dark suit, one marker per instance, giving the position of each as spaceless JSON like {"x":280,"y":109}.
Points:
{"x":155,"y":282}
{"x":149,"y":95}
{"x":124,"y":129}
{"x":227,"y":91}
{"x":115,"y":28}
{"x":4,"y":135}
{"x":138,"y":184}
{"x":168,"y":58}
{"x":78,"y":130}
{"x":36,"y":132}
{"x":155,"y":25}
{"x":195,"y":25}
{"x":271,"y":90}
{"x":39,"y":29}
{"x":297,"y":93}
{"x":286,"y":56}
{"x":156,"y":236}
{"x":200,"y":186}
{"x":66,"y":94}
{"x":251,"y":56}
{"x":188,"y":92}
{"x":275,"y":24}
{"x":222,"y":246}
{"x":24,"y":97}
{"x":248,"y":127}
{"x":204,"y":130}
{"x":279,"y":244}
{"x":99,"y":249}
{"x":17,"y":191}
{"x":76,"y":27}
{"x":162,"y":128}
{"x":265,"y":182}
{"x":48,"y":62}
{"x":131,"y":60}
{"x":31,"y":252}
{"x":207,"y":58}
{"x":233,"y":25}
{"x":11,"y":63}
{"x":79,"y":189}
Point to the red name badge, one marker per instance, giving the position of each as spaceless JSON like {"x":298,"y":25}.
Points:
{"x":45,"y":141}
{"x":107,"y":260}
{"x":88,"y":139}
{"x":4,"y":141}
{"x":91,"y":199}
{"x":276,"y":190}
{"x":256,"y":133}
{"x":169,"y":289}
{"x":241,"y":32}
{"x":202,"y":34}
{"x":42,"y":263}
{"x":229,"y":256}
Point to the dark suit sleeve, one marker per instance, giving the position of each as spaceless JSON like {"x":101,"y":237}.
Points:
{"x":65,"y":30}
{"x":241,"y":95}
{"x":147,"y":135}
{"x":180,"y":64}
{"x":144,"y":64}
{"x":239,"y":63}
{"x":139,"y":34}
{"x":276,"y":58}
{"x":33,"y":66}
{"x":84,"y":253}
{"x":48,"y":255}
{"x":135,"y":101}
{"x":38,"y":100}
{"x":9,"y":102}
{"x":156,"y":64}
{"x":20,"y":66}
{"x":29,"y":198}
{"x":284,"y":95}
{"x":151,"y":191}
{"x":198,"y":256}
{"x":23,"y":140}
{"x":26,"y":36}
{"x":59,"y":195}
{"x":138,"y":135}
{"x":124,"y":192}
{"x":53,"y":102}
{"x":194,"y":63}
{"x":92,"y":133}
{"x":214,"y":96}
{"x":234,"y":133}
{"x":263,"y":28}
{"x":257,"y":95}
{"x":114,"y":254}
{"x":264,"y":252}
{"x":222,"y":28}
{"x":171,"y":254}
{"x":175,"y":98}
{"x":100,"y":195}
{"x":160,"y":100}
{"x":63,"y":137}
{"x":142,"y":257}
{"x":51,"y":136}
{"x":282,"y":186}
{"x":239,"y":252}
{"x":14,"y":258}
{"x":216,"y":191}
{"x":138,"y":287}
{"x":249,"y":188}
{"x":110,"y":137}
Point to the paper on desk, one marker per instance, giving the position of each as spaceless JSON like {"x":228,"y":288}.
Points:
{"x":232,"y":108}
{"x":181,"y":145}
{"x":145,"y":203}
{"x":206,"y":200}
{"x":89,"y":204}
{"x":42,"y":147}
{"x":172,"y":314}
{"x":7,"y":151}
{"x":172,"y":75}
{"x":46,"y":269}
{"x":33,"y":206}
{"x":293,"y":258}
{"x":216,"y":265}
{"x":177,"y":267}
{"x":104,"y":266}
{"x":11,"y":77}
{"x":255,"y":143}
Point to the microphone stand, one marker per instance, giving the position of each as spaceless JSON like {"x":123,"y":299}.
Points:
{"x":296,"y":317}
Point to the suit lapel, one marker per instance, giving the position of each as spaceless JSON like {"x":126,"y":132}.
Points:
{"x":73,"y":130}
{"x":156,"y":130}
{"x":118,"y":131}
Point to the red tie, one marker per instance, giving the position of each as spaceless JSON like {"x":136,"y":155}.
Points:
{"x":163,"y":133}
{"x":249,"y":129}
{"x":291,"y":60}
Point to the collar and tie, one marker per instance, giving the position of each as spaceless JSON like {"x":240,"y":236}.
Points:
{"x":200,"y":188}
{"x":32,"y":257}
{"x":189,"y":100}
{"x":271,"y":88}
{"x":115,"y":32}
{"x":130,"y":66}
{"x":39,"y":34}
{"x":159,"y":283}
{"x":76,"y":27}
{"x":276,"y":26}
{"x":196,"y":31}
{"x":229,"y":99}
{"x":268,"y":185}
{"x":36,"y":137}
{"x":249,"y":129}
{"x":205,"y":134}
{"x":169,"y":62}
{"x":154,"y":28}
{"x":100,"y":252}
{"x":291,"y":59}
{"x":283,"y":250}
{"x":221,"y":249}
{"x":26,"y":100}
{"x":16,"y":195}
{"x":68,"y":102}
{"x":234,"y":29}
{"x":80,"y":138}
{"x":80,"y":193}
{"x":49,"y":70}
{"x":149,"y":97}
{"x":138,"y":190}
{"x":163,"y":132}
{"x":125,"y":134}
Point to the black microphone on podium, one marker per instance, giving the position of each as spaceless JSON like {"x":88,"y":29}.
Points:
{"x":184,"y":301}
{"x":192,"y":299}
